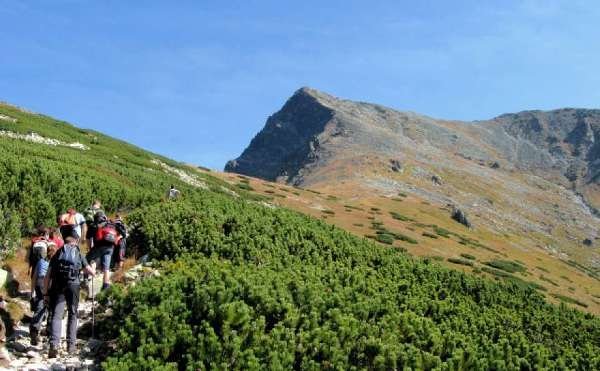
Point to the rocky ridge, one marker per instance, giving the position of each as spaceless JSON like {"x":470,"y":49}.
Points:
{"x":533,"y":173}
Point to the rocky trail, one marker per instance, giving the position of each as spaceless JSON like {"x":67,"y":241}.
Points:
{"x":20,"y":354}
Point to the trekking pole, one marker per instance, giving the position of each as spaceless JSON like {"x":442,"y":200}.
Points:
{"x":93,"y":305}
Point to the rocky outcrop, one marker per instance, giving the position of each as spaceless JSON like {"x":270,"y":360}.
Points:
{"x":461,"y":217}
{"x":289,"y":141}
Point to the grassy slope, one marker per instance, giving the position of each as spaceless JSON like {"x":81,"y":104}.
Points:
{"x":555,"y":275}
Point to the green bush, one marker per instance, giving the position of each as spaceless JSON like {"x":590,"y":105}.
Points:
{"x":506,"y":265}
{"x":400,"y":217}
{"x":460,"y":261}
{"x":385,"y":238}
{"x":468,"y":256}
{"x":430,"y":235}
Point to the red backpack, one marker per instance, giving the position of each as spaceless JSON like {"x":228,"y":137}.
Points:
{"x":107,"y":233}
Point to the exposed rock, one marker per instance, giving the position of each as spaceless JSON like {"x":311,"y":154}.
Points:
{"x":8,"y":118}
{"x":395,"y":166}
{"x":436,"y":180}
{"x":587,"y":242}
{"x":461,"y":217}
{"x":4,"y":277}
{"x":495,"y":165}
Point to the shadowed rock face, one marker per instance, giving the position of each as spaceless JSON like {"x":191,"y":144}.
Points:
{"x":287,"y":142}
{"x":314,"y":129}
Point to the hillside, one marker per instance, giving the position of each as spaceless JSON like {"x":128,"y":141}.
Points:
{"x":526,"y":181}
{"x":246,"y":284}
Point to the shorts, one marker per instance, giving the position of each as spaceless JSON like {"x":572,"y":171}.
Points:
{"x":102,"y":253}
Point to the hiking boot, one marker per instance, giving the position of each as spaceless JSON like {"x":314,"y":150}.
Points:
{"x":53,"y":352}
{"x":105,"y":286}
{"x":72,"y":349}
{"x":34,"y":337}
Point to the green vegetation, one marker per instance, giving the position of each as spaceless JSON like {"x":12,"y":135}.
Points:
{"x":243,"y":286}
{"x":506,"y":265}
{"x":245,"y":186}
{"x":460,"y":261}
{"x":543,"y":269}
{"x":468,"y":256}
{"x":385,"y":238}
{"x":275,"y":289}
{"x":569,"y":300}
{"x":39,"y":181}
{"x":328,"y":212}
{"x":442,"y":232}
{"x":546,"y":279}
{"x":401,"y":217}
{"x":430,"y":235}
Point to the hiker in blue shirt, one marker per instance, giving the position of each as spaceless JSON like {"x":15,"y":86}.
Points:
{"x":38,"y":305}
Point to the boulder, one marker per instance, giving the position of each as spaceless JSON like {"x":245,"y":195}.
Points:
{"x":395,"y":166}
{"x":436,"y":179}
{"x":5,"y":277}
{"x":461,"y":217}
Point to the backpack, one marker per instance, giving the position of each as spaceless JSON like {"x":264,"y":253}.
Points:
{"x":121,"y":228}
{"x":39,"y":248}
{"x":90,"y":213}
{"x":107,"y":233}
{"x":69,"y":263}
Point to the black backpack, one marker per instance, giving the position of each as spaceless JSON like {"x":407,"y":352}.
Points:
{"x":69,"y":263}
{"x":121,"y":228}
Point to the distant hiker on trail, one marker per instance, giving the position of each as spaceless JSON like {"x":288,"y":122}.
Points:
{"x":89,"y":215}
{"x":38,"y":306}
{"x":173,"y":193}
{"x":120,"y":249}
{"x":39,"y":247}
{"x":61,"y":286}
{"x":105,"y":240}
{"x":71,"y":221}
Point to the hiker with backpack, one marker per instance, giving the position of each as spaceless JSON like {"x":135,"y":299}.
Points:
{"x":173,"y":193}
{"x":38,"y":305}
{"x":61,"y":287}
{"x":105,"y":241}
{"x":70,"y":222}
{"x":39,"y":247}
{"x":89,"y":215}
{"x":121,"y":246}
{"x":54,"y":236}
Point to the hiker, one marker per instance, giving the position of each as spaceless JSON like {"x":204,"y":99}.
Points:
{"x":39,"y":247}
{"x":61,"y":286}
{"x":89,"y":215}
{"x":121,"y":246}
{"x":173,"y":193}
{"x":38,"y":306}
{"x":71,"y":221}
{"x":105,"y":240}
{"x":55,"y":236}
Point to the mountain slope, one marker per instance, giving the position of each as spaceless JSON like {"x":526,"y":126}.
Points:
{"x":530,"y":175}
{"x":244,"y":284}
{"x":47,"y":166}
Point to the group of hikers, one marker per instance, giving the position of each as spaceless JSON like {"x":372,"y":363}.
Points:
{"x":56,"y":263}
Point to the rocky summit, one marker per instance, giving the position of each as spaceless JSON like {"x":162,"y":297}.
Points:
{"x":533,"y":173}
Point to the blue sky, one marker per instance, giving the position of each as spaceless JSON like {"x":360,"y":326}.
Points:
{"x":196,"y":80}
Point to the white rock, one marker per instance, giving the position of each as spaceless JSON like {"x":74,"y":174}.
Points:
{"x":5,"y":277}
{"x":33,"y":354}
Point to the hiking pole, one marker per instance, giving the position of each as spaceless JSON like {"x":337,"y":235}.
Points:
{"x":93,"y":310}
